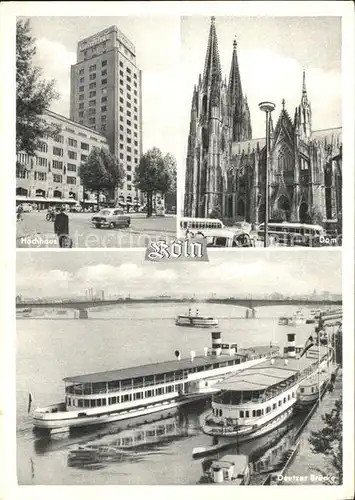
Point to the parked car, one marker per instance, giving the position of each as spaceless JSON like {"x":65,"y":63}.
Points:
{"x":27,"y":207}
{"x":76,"y":208}
{"x":111,"y":217}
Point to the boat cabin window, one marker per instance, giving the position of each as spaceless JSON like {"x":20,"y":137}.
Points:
{"x":246,"y":413}
{"x":138,"y":382}
{"x":241,"y":414}
{"x":259,"y":413}
{"x":169,"y":388}
{"x":284,"y":400}
{"x":114,"y":385}
{"x":138,"y":395}
{"x":293,"y":394}
{"x":126,"y":385}
{"x":312,"y":389}
{"x":289,"y":397}
{"x":302,"y":389}
{"x":274,"y":406}
{"x":268,"y":409}
{"x":149,"y":394}
{"x":126,"y":397}
{"x":159,"y":391}
{"x":113,"y":400}
{"x":149,"y":380}
{"x":280,"y":402}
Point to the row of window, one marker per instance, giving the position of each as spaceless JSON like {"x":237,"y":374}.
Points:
{"x":58,"y":178}
{"x":92,"y":403}
{"x":255,"y":413}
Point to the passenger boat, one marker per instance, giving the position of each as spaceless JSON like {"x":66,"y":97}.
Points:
{"x":228,"y":470}
{"x":195,"y":320}
{"x":259,"y":399}
{"x":100,"y":398}
{"x":299,"y":318}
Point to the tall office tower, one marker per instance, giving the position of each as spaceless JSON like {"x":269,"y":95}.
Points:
{"x":105,"y":95}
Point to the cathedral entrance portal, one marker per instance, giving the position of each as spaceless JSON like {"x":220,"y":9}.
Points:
{"x":303,"y":213}
{"x":284,"y":205}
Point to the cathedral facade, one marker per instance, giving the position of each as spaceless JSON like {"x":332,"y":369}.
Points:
{"x":225,"y":166}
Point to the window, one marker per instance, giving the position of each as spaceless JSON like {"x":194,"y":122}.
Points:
{"x":135,"y":84}
{"x":71,"y":180}
{"x":129,"y":131}
{"x":129,"y":113}
{"x":135,"y":109}
{"x":81,"y":114}
{"x":81,"y":97}
{"x":121,"y":156}
{"x":129,"y":157}
{"x":81,"y":80}
{"x":103,"y":99}
{"x":121,"y":73}
{"x":81,"y":72}
{"x":121,"y":109}
{"x":136,"y":117}
{"x":92,"y":67}
{"x":121,"y":127}
{"x":135,"y":101}
{"x":84,"y":146}
{"x":92,"y":102}
{"x":57,"y":151}
{"x":129,"y":140}
{"x":129,"y":177}
{"x":57,"y":164}
{"x":121,"y":82}
{"x":138,"y":395}
{"x":59,"y":138}
{"x":92,"y":111}
{"x":135,"y":75}
{"x":121,"y":146}
{"x":129,"y":79}
{"x":241,"y":413}
{"x":92,"y":93}
{"x":103,"y":108}
{"x":92,"y":120}
{"x":129,"y":168}
{"x":81,"y":89}
{"x":121,"y":137}
{"x":129,"y":149}
{"x":129,"y":122}
{"x":128,"y":87}
{"x":136,"y":143}
{"x":104,"y":81}
{"x":129,"y":187}
{"x":247,"y":414}
{"x":83,"y":158}
{"x":284,"y":400}
{"x":302,"y":390}
{"x":42,"y":146}
{"x":103,"y":118}
{"x":103,"y":126}
{"x":103,"y":63}
{"x":135,"y":92}
{"x":57,"y":178}
{"x":71,"y":167}
{"x":92,"y":76}
{"x":136,"y":151}
{"x":81,"y":105}
{"x":121,"y":100}
{"x":129,"y":71}
{"x":104,"y":72}
{"x":121,"y":64}
{"x":72,"y":142}
{"x":92,"y":85}
{"x":42,"y":162}
{"x":72,"y":155}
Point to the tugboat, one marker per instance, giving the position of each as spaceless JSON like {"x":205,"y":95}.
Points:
{"x":229,"y":470}
{"x":195,"y":320}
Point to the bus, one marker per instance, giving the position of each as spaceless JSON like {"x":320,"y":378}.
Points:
{"x":199,"y":224}
{"x":293,"y":234}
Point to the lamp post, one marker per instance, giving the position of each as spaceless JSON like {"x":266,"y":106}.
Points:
{"x":267,"y":107}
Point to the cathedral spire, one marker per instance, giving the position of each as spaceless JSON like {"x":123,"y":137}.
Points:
{"x":304,"y":112}
{"x":212,"y":70}
{"x":235,"y":85}
{"x":304,"y":100}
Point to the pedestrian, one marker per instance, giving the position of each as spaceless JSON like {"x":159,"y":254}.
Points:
{"x":19,"y":212}
{"x":61,"y":229}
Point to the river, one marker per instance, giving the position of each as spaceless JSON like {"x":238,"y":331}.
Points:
{"x":51,"y":348}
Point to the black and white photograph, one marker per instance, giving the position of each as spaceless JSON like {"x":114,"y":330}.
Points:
{"x":178,"y":249}
{"x":179,"y":373}
{"x":263,"y":130}
{"x":95,"y":143}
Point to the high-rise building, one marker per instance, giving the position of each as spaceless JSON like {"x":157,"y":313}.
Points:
{"x":105,"y":95}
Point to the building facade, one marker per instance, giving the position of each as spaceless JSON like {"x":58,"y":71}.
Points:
{"x":52,"y":176}
{"x":106,"y":96}
{"x":225,"y":167}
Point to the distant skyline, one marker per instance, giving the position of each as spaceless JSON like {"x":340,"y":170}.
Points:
{"x":47,"y":274}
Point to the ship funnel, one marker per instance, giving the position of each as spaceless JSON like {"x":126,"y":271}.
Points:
{"x":291,"y":347}
{"x":216,"y":343}
{"x":193,"y":354}
{"x":205,"y":350}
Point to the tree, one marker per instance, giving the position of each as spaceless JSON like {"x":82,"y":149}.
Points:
{"x":101,"y":173}
{"x":329,"y":441}
{"x":33,"y":96}
{"x":155,"y":174}
{"x":170,"y":195}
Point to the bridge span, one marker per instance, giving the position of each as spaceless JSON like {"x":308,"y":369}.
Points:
{"x":83,"y":306}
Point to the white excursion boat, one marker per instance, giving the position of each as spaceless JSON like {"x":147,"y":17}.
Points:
{"x":196,"y":320}
{"x":100,"y":398}
{"x":228,"y":470}
{"x":286,"y":320}
{"x":299,"y":318}
{"x":259,"y":399}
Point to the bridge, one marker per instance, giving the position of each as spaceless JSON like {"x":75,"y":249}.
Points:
{"x":84,"y":305}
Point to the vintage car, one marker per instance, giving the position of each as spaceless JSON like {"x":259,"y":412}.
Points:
{"x":225,"y":238}
{"x":111,"y":217}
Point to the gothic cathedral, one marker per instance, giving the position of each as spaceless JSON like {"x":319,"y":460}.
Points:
{"x":225,"y":167}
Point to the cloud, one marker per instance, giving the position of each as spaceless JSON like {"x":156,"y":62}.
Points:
{"x":55,"y":60}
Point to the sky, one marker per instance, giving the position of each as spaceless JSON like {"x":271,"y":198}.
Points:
{"x":51,"y":274}
{"x":157,"y":50}
{"x":272,"y":53}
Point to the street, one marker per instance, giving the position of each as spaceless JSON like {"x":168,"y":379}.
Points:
{"x":35,"y":232}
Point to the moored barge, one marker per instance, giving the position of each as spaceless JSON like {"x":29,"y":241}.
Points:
{"x":105,"y":397}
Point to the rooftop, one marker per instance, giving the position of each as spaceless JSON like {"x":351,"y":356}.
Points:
{"x":265,"y":374}
{"x":161,"y":368}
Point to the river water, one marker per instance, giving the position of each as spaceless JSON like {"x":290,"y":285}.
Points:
{"x":51,"y":348}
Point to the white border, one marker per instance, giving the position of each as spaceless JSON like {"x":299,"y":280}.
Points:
{"x":8,"y":12}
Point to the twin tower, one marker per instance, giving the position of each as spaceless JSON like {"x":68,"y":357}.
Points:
{"x":219,"y":116}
